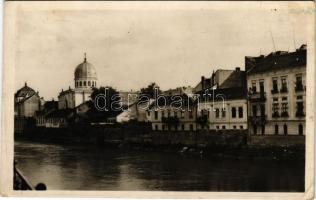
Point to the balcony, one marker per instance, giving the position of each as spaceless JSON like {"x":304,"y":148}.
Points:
{"x":170,"y":120}
{"x":275,"y":115}
{"x":300,"y":114}
{"x":202,"y":119}
{"x":257,"y":97}
{"x":284,"y":90}
{"x":284,"y":114}
{"x":258,"y":120}
{"x":299,"y":87}
{"x":274,"y":91}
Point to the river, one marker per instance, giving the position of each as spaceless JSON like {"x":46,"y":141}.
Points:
{"x":67,"y":167}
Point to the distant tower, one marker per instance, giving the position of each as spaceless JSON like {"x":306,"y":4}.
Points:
{"x":85,"y":75}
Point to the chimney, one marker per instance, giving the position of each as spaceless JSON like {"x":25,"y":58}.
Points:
{"x":237,"y":69}
{"x":203,"y":82}
{"x":69,"y":88}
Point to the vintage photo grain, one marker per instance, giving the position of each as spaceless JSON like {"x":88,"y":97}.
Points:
{"x":198,"y":99}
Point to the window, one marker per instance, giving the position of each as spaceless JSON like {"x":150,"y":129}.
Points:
{"x":156,"y":127}
{"x":263,"y":129}
{"x":276,"y":99}
{"x":163,"y":127}
{"x":162,"y":113}
{"x":299,"y":97}
{"x":275,"y":110}
{"x":284,"y":110}
{"x":217,"y":113}
{"x":254,"y":110}
{"x":299,"y":83}
{"x":95,"y":83}
{"x":89,"y":83}
{"x":190,"y":114}
{"x":234,"y":127}
{"x":262,"y":110}
{"x":253,"y":87}
{"x":80,"y":83}
{"x":84,"y":83}
{"x":223,"y":112}
{"x":156,"y":115}
{"x":233,"y":112}
{"x":300,"y":129}
{"x":223,"y":127}
{"x":284,"y":98}
{"x":274,"y":85}
{"x":182,"y":114}
{"x":148,"y":113}
{"x":176,"y":127}
{"x":92,"y":84}
{"x":76,"y":84}
{"x":240,"y":112}
{"x":285,"y":129}
{"x":241,"y":127}
{"x":261,"y":85}
{"x":191,"y":127}
{"x":276,"y":129}
{"x":284,"y":84}
{"x":217,"y":127}
{"x":182,"y":126}
{"x":299,"y":109}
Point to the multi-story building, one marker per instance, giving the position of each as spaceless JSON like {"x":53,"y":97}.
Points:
{"x":223,"y":105}
{"x":276,"y":94}
{"x":26,"y":103}
{"x":173,"y":113}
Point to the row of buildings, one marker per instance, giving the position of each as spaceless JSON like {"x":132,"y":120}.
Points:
{"x":267,"y":98}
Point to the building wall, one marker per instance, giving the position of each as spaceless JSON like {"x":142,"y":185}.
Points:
{"x":290,"y":97}
{"x":225,"y":118}
{"x":28,"y":107}
{"x":81,"y":97}
{"x":66,"y":100}
{"x":186,"y":122}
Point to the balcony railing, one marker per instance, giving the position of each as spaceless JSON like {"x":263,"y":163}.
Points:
{"x":170,"y":120}
{"x":299,"y":88}
{"x":284,"y":114}
{"x":300,"y":114}
{"x":202,"y":119}
{"x":258,"y":120}
{"x":274,"y":91}
{"x":275,"y":115}
{"x":257,"y":97}
{"x":284,"y":90}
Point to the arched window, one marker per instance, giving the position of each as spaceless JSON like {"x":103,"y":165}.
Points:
{"x":300,"y":129}
{"x":92,"y":83}
{"x":285,"y":129}
{"x":80,"y":83}
{"x":84,"y":83}
{"x":276,"y":129}
{"x":89,"y":83}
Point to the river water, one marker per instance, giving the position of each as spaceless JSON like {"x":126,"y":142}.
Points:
{"x":65,"y":167}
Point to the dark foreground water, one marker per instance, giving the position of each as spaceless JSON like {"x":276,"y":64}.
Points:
{"x":63,"y":167}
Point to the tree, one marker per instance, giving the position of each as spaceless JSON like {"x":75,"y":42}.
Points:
{"x":151,"y":91}
{"x":106,"y":103}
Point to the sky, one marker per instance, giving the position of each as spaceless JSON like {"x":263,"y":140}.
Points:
{"x":131,"y":48}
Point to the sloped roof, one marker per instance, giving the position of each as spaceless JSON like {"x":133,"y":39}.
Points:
{"x":235,"y":79}
{"x":64,"y":113}
{"x":231,"y":93}
{"x":277,"y":61}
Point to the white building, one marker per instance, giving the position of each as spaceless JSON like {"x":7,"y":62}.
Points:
{"x":223,"y":105}
{"x":85,"y":79}
{"x":277,"y":98}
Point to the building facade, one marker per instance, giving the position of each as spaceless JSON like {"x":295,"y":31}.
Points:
{"x":169,"y":115}
{"x":223,"y":106}
{"x":276,"y":93}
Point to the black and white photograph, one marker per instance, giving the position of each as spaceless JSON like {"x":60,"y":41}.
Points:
{"x":159,"y":97}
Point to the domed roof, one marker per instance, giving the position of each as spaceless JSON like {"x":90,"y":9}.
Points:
{"x":24,"y":92}
{"x":85,"y":70}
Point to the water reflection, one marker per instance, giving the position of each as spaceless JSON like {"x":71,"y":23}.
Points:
{"x":91,"y":168}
